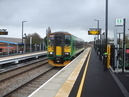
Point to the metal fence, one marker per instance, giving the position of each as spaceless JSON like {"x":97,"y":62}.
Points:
{"x":9,"y":49}
{"x":119,"y":58}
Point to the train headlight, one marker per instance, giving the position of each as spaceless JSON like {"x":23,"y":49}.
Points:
{"x":50,"y":53}
{"x":67,"y":53}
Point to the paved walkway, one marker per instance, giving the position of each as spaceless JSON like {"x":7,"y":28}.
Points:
{"x":100,"y":83}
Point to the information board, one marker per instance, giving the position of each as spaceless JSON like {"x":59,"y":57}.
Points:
{"x":3,"y":32}
{"x":94,"y":31}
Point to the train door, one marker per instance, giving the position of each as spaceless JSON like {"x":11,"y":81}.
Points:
{"x":59,"y":45}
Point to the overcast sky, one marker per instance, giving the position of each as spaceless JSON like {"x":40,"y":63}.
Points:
{"x":74,"y":16}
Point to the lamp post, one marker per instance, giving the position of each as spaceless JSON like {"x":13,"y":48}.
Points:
{"x":24,"y":42}
{"x":30,"y":44}
{"x":99,"y":40}
{"x":106,"y":23}
{"x":98,"y":36}
{"x":22,"y":34}
{"x":106,"y":34}
{"x":97,"y":25}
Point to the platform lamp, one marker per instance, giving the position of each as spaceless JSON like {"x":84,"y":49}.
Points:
{"x":24,"y":42}
{"x":22,"y":34}
{"x":106,"y":34}
{"x":98,"y":35}
{"x":97,"y":25}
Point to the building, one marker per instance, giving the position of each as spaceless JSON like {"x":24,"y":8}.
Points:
{"x":10,"y":45}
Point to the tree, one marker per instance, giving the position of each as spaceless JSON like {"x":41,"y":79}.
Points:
{"x":36,"y":39}
{"x":126,"y":39}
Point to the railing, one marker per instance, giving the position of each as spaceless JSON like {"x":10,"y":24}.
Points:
{"x":13,"y":49}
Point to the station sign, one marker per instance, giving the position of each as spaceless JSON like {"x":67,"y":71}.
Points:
{"x":94,"y":31}
{"x":119,"y":22}
{"x":3,"y":32}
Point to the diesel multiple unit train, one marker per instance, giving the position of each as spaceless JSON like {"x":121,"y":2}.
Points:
{"x":62,"y":47}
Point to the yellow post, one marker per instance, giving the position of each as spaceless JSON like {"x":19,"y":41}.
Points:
{"x":109,"y":53}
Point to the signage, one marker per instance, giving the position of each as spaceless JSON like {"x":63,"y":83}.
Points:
{"x":94,"y":31}
{"x":3,"y":32}
{"x":119,"y":22}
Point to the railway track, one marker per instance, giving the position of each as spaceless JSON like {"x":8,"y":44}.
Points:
{"x":19,"y":68}
{"x":26,"y":89}
{"x":13,"y":79}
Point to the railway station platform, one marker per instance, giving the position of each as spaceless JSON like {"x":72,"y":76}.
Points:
{"x":20,"y":57}
{"x":85,"y":77}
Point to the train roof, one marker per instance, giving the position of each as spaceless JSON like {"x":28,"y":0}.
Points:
{"x":63,"y":32}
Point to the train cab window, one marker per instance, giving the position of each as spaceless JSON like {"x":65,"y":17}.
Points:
{"x":58,"y":41}
{"x":51,"y":40}
{"x":67,"y":40}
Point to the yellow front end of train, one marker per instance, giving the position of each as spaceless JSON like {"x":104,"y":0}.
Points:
{"x":58,"y":49}
{"x":58,"y":60}
{"x":62,"y":47}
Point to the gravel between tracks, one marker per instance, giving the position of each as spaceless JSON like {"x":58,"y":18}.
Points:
{"x":8,"y":85}
{"x":33,"y":85}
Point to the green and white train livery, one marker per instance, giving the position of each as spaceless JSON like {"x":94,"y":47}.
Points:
{"x":62,"y":47}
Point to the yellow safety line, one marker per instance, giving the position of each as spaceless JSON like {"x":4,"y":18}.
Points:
{"x":83,"y":78}
{"x":67,"y":86}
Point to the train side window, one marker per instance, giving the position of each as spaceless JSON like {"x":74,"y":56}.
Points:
{"x":67,"y":40}
{"x":51,"y":40}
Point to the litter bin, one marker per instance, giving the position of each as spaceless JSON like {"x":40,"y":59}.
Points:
{"x":105,"y":55}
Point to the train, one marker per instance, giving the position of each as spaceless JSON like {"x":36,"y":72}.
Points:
{"x":62,"y":47}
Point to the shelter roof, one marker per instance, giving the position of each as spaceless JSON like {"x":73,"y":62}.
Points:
{"x":10,"y":40}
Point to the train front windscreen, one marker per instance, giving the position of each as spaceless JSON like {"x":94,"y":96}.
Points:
{"x":59,"y":40}
{"x":56,"y":40}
